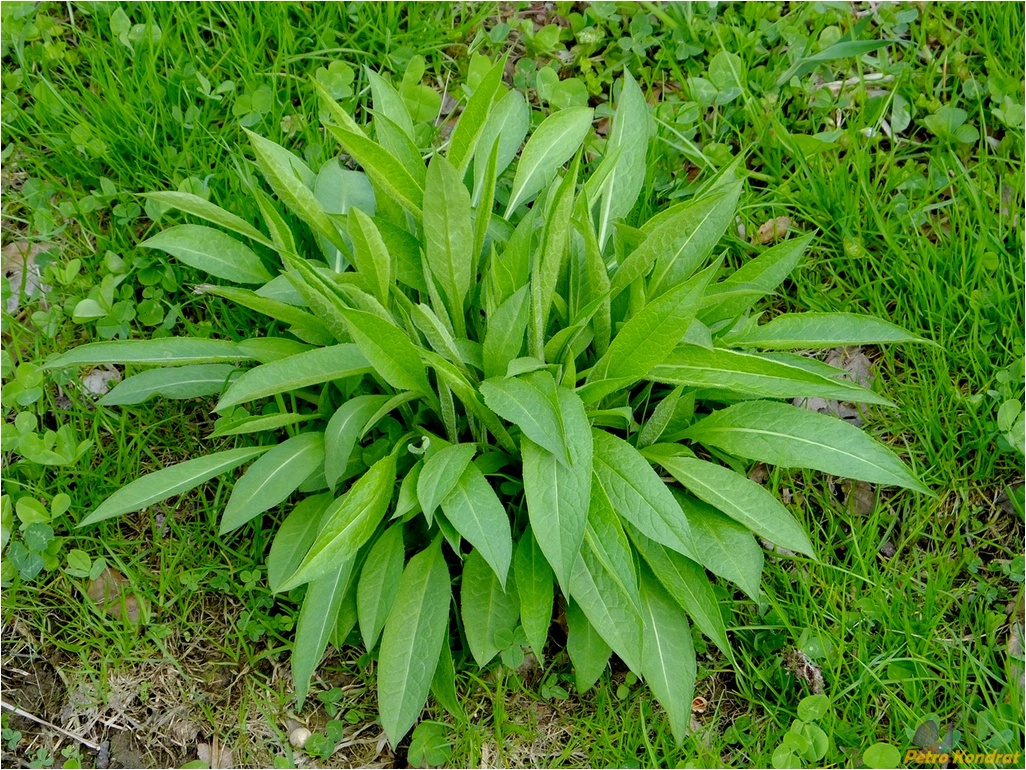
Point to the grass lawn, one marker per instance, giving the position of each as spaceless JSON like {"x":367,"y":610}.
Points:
{"x":904,"y":154}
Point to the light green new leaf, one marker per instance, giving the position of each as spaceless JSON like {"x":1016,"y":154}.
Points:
{"x":204,"y":209}
{"x":316,"y":622}
{"x":412,"y":641}
{"x":441,"y":473}
{"x":211,"y":251}
{"x":384,"y":170}
{"x":438,"y":335}
{"x":822,"y":330}
{"x":388,"y":350}
{"x":264,"y":350}
{"x":370,"y":256}
{"x":472,"y":122}
{"x":388,"y":102}
{"x":348,"y":523}
{"x":344,"y":429}
{"x":754,"y":375}
{"x":488,"y":609}
{"x":558,"y":497}
{"x":273,"y":478}
{"x":638,"y":495}
{"x":162,"y":484}
{"x":169,"y":351}
{"x":667,"y":655}
{"x":553,"y":143}
{"x":260,"y":422}
{"x":379,"y":584}
{"x":507,"y":125}
{"x":474,"y":509}
{"x":443,"y":684}
{"x":304,"y":325}
{"x":728,"y":548}
{"x":449,"y":235}
{"x":535,"y":411}
{"x":588,"y":650}
{"x":294,"y":538}
{"x":534,"y":584}
{"x":740,"y":498}
{"x":177,"y":382}
{"x":311,"y":367}
{"x":661,"y":416}
{"x":504,"y":338}
{"x":790,"y":437}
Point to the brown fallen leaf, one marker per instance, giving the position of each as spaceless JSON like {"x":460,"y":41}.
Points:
{"x":22,"y":271}
{"x":112,"y":592}
{"x":773,"y":230}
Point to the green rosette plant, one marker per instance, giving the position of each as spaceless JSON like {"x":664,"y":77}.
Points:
{"x":496,"y":400}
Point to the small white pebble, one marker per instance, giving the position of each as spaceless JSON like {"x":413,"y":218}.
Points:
{"x":299,"y":737}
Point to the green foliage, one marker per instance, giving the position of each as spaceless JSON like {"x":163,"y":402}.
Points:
{"x":503,"y":384}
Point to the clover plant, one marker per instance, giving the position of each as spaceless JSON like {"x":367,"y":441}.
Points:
{"x":493,"y":400}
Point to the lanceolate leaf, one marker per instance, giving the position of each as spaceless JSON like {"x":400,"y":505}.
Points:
{"x":740,"y":498}
{"x":379,"y":584}
{"x":370,"y":255}
{"x":176,"y":382}
{"x":200,"y":207}
{"x":552,"y":144}
{"x":505,"y":336}
{"x":316,"y":622}
{"x":211,"y":251}
{"x":272,"y":478}
{"x":823,"y":330}
{"x":508,"y":121}
{"x":535,"y":412}
{"x":488,"y":609}
{"x":412,"y":641}
{"x":728,"y":548}
{"x":442,"y":472}
{"x":387,"y":173}
{"x":473,"y":508}
{"x":170,"y":351}
{"x":588,"y":650}
{"x":667,"y":656}
{"x":784,"y":435}
{"x":162,"y":484}
{"x":294,"y":538}
{"x":304,"y":325}
{"x":443,"y":684}
{"x":388,"y":350}
{"x":344,"y":429}
{"x":534,"y":584}
{"x":472,"y":122}
{"x":299,"y":371}
{"x":449,"y":236}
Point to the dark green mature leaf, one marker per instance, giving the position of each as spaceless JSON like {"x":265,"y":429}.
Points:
{"x":822,"y":330}
{"x":474,"y":509}
{"x":449,"y":236}
{"x":740,"y":498}
{"x":177,"y":382}
{"x":667,"y":656}
{"x":552,"y":144}
{"x":379,"y":584}
{"x":168,"y":351}
{"x":784,"y":435}
{"x":299,"y":371}
{"x":304,"y":325}
{"x":472,"y":122}
{"x":294,"y":538}
{"x":348,"y":523}
{"x":534,"y":584}
{"x":162,"y":484}
{"x":755,"y":375}
{"x":728,"y":549}
{"x":505,"y":336}
{"x":638,"y":495}
{"x":343,"y":431}
{"x":370,"y":255}
{"x":441,"y":473}
{"x":558,"y":497}
{"x":204,"y":209}
{"x":388,"y":350}
{"x":316,"y":622}
{"x":532,"y":407}
{"x":588,"y":650}
{"x":412,"y":641}
{"x":211,"y":251}
{"x":443,"y":684}
{"x":488,"y":608}
{"x":272,"y":478}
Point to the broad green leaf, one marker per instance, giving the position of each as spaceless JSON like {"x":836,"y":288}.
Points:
{"x":273,"y":478}
{"x":211,"y":251}
{"x":534,"y":585}
{"x":728,"y":549}
{"x":304,"y":325}
{"x":412,"y":641}
{"x":388,"y":350}
{"x":169,"y":351}
{"x":299,"y":371}
{"x":474,"y":509}
{"x":667,"y":656}
{"x":553,"y":143}
{"x":316,"y":622}
{"x":822,"y":330}
{"x":370,"y":256}
{"x":294,"y":538}
{"x":507,"y":125}
{"x":162,"y":484}
{"x":388,"y":102}
{"x":754,"y":375}
{"x":558,"y":497}
{"x":348,"y":523}
{"x":649,"y":337}
{"x":399,"y":145}
{"x":472,"y":122}
{"x":510,"y":269}
{"x":449,"y":235}
{"x":790,"y":437}
{"x":264,"y":350}
{"x":686,"y":582}
{"x":344,"y":430}
{"x":504,"y":338}
{"x":588,"y":650}
{"x":406,"y":501}
{"x":740,"y":498}
{"x":441,"y":473}
{"x":296,"y":195}
{"x":534,"y":410}
{"x":379,"y":584}
{"x":487,"y":608}
{"x":443,"y":684}
{"x":178,"y":382}
{"x":387,"y":173}
{"x":638,"y":495}
{"x":204,"y":209}
{"x":404,"y":249}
